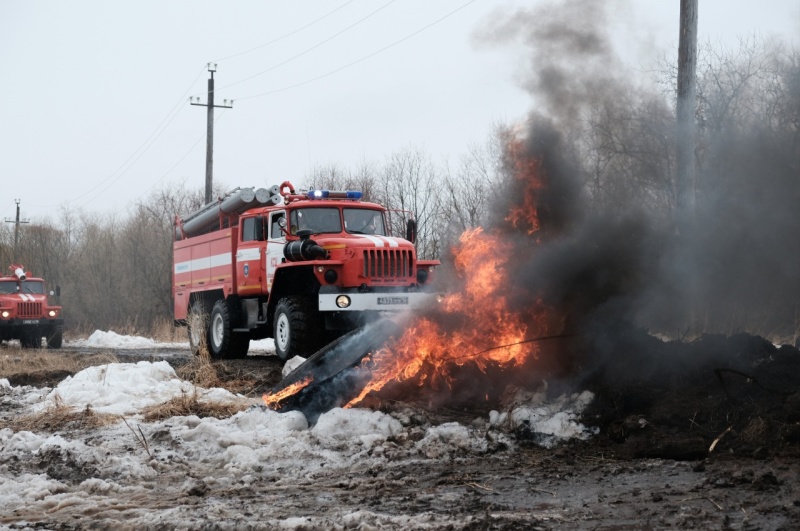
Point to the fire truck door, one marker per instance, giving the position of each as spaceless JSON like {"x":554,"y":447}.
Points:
{"x":275,"y":244}
{"x":249,"y":262}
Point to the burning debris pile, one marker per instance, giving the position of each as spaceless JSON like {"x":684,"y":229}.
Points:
{"x":505,"y":319}
{"x":585,"y":259}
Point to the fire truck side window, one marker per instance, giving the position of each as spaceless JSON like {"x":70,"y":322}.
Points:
{"x":252,"y":229}
{"x":275,"y":232}
{"x":248,"y":229}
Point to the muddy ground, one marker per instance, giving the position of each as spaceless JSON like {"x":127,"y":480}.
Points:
{"x":706,"y":438}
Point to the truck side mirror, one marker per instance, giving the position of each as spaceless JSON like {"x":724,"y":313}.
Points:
{"x":411,"y":230}
{"x":58,"y":291}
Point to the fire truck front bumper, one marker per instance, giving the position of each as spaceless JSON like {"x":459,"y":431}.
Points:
{"x":6,"y":324}
{"x":356,"y":301}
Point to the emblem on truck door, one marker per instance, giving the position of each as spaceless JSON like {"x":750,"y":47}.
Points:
{"x":246,"y":269}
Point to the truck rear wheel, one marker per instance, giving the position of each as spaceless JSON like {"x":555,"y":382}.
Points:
{"x":298,"y":328}
{"x":223,"y":343}
{"x":55,"y":337}
{"x":197,"y":322}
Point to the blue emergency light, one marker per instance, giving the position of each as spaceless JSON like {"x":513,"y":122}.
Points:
{"x":328,"y":194}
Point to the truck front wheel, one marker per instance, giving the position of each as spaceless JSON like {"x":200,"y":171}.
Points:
{"x":31,"y":340}
{"x":298,"y":328}
{"x":222,"y":341}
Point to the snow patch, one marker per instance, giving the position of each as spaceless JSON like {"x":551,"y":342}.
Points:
{"x":291,"y":365}
{"x":127,"y":388}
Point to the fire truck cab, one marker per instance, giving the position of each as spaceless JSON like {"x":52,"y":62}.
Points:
{"x":25,"y":313}
{"x":300,"y":267}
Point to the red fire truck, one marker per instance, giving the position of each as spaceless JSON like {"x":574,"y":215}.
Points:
{"x":300,"y":267}
{"x":25,"y":313}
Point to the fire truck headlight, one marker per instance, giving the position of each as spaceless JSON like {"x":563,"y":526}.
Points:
{"x":422,"y":276}
{"x":51,"y":313}
{"x":342,"y":301}
{"x":5,"y":314}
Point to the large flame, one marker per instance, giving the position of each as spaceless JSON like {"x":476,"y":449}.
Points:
{"x":476,"y":324}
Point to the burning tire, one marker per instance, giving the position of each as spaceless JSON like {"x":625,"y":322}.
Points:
{"x":330,"y":378}
{"x":55,"y":337}
{"x":298,"y":328}
{"x":222,"y":341}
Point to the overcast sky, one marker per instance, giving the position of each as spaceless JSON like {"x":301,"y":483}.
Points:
{"x":94,"y":110}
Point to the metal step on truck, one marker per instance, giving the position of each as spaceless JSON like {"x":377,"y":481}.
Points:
{"x":302,"y":267}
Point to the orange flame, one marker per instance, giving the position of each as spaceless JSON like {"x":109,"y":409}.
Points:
{"x":272,"y":400}
{"x":476,"y":325}
{"x":476,"y":321}
{"x":526,"y":171}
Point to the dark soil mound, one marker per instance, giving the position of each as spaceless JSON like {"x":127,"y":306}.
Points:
{"x":39,"y":378}
{"x":737,"y":395}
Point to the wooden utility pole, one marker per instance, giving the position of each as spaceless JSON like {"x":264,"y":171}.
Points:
{"x":212,"y":67}
{"x":16,"y":223}
{"x":685,"y":137}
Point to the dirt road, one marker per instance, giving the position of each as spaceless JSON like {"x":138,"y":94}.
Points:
{"x":649,"y":467}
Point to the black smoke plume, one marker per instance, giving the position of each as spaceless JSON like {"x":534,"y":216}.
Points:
{"x":611,"y":253}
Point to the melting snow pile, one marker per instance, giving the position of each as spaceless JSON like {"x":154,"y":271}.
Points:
{"x":102,"y":339}
{"x":92,"y":470}
{"x":127,"y":388}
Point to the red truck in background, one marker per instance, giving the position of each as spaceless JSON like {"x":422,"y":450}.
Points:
{"x":300,"y":267}
{"x":25,"y":313}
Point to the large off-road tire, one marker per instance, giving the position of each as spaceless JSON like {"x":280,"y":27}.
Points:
{"x":334,"y":382}
{"x":197,"y":327}
{"x":55,"y":337}
{"x":298,"y":328}
{"x":223,"y":343}
{"x":31,"y":340}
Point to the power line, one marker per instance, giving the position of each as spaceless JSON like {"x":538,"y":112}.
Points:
{"x":142,"y":149}
{"x":373,"y":54}
{"x":285,"y":35}
{"x":181,"y":159}
{"x":312,"y":48}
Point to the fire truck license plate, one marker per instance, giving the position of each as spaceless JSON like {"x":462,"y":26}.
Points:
{"x":392,"y":300}
{"x":30,"y":321}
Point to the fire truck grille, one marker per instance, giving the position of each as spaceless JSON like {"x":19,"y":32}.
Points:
{"x":382,"y":265}
{"x":26,"y":310}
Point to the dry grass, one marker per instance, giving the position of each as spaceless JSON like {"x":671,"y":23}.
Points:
{"x":202,"y":372}
{"x":19,"y":362}
{"x":190,"y":404}
{"x":756,"y":431}
{"x":61,"y":417}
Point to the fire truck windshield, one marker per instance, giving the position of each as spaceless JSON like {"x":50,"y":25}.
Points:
{"x":8,"y":286}
{"x":33,"y":286}
{"x":28,"y":286}
{"x":317,"y":220}
{"x":364,"y":221}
